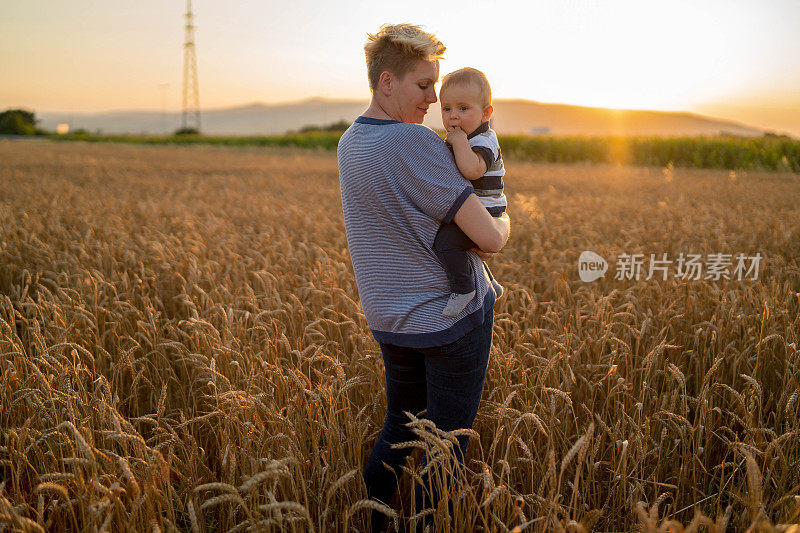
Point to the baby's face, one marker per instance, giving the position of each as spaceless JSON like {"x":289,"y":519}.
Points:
{"x":461,"y":106}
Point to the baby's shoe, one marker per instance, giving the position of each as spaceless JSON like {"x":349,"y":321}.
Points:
{"x":457,"y":303}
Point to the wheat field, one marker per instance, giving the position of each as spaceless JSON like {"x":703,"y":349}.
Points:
{"x":182,"y":348}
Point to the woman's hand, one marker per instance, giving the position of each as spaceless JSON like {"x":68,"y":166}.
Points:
{"x":485,"y":256}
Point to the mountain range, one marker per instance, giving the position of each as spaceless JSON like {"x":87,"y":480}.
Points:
{"x":510,"y":116}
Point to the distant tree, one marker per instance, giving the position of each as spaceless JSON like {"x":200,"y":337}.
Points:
{"x":187,"y":131}
{"x":340,"y":125}
{"x":18,"y":122}
{"x":779,"y":136}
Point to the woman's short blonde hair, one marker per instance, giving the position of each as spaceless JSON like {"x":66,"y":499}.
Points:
{"x":469,"y":76}
{"x":396,"y":48}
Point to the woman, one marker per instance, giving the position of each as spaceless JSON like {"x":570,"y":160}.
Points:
{"x":399,"y":183}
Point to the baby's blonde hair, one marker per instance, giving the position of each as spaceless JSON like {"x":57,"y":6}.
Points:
{"x":469,"y":76}
{"x":396,"y":48}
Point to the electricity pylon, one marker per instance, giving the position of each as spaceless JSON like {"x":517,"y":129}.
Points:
{"x":191,"y":98}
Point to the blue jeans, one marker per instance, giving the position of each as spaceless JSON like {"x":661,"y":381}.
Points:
{"x":445,"y":381}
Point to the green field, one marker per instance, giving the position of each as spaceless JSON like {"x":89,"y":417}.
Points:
{"x":728,"y":153}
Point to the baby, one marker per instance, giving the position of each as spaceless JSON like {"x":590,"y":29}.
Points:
{"x":466,"y":101}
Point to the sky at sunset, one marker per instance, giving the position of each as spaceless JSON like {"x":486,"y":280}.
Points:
{"x":735,"y":59}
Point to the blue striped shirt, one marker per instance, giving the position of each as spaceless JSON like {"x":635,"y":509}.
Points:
{"x":399,"y":183}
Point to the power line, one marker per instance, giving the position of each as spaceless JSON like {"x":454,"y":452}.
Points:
{"x":191,"y":98}
{"x":163,"y":88}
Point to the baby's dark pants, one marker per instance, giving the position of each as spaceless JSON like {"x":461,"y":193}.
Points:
{"x":451,"y":245}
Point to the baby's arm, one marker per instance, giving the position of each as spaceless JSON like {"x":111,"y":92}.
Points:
{"x":471,"y":165}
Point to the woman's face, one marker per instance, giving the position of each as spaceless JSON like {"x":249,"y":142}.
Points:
{"x":413,"y":94}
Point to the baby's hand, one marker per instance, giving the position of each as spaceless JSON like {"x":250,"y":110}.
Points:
{"x":455,"y":135}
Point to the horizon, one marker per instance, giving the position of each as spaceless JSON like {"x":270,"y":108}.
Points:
{"x":731,"y":61}
{"x":366,"y":102}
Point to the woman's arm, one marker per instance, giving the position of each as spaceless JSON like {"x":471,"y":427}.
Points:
{"x":488,"y":232}
{"x":436,"y":187}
